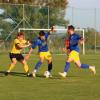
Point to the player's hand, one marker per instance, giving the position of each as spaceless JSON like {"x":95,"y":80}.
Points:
{"x":53,"y":29}
{"x":29,"y":43}
{"x":82,"y":41}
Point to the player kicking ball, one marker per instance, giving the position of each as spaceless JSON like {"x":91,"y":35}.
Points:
{"x":73,"y":50}
{"x":15,"y":55}
{"x":43,"y":51}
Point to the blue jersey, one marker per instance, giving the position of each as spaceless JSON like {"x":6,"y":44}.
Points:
{"x":74,"y":40}
{"x":42,"y":44}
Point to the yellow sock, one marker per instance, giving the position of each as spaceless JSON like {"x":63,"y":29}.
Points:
{"x":26,"y":68}
{"x":11,"y":67}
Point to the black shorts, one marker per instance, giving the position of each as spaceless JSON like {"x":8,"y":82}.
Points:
{"x":19,"y":57}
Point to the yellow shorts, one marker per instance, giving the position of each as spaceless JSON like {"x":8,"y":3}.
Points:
{"x":74,"y":55}
{"x":45,"y":55}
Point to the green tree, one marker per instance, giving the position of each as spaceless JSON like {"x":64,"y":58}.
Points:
{"x":56,"y":7}
{"x":51,"y":3}
{"x":37,"y":17}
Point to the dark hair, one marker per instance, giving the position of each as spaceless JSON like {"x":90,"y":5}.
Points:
{"x":41,"y":33}
{"x":71,"y":27}
{"x":20,"y":33}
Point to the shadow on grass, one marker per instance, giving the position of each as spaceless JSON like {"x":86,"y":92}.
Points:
{"x":54,"y":77}
{"x":2,"y":73}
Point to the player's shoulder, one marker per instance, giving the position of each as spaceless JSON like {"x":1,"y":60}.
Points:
{"x":16,"y":40}
{"x":37,"y":40}
{"x":76,"y":35}
{"x":47,"y":34}
{"x":24,"y":41}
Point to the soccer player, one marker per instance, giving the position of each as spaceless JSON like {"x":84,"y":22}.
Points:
{"x":43,"y":51}
{"x":73,"y":50}
{"x":15,"y":54}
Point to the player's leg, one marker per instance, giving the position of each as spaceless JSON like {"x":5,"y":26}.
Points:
{"x":12,"y":65}
{"x":48,"y":57}
{"x":26,"y":67}
{"x":21,"y":59}
{"x":38,"y":64}
{"x":50,"y":65}
{"x":86,"y":66}
{"x":66,"y":69}
{"x":67,"y":66}
{"x":13,"y":62}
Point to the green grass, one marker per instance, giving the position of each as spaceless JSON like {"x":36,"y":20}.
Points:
{"x":79,"y":85}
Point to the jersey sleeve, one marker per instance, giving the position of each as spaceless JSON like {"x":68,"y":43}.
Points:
{"x":75,"y":39}
{"x":79,"y":37}
{"x":16,"y":41}
{"x":35,"y":44}
{"x":47,"y":34}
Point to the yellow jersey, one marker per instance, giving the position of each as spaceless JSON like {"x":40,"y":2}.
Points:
{"x":15,"y":49}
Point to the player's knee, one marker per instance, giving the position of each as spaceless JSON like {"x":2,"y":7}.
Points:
{"x":41,"y":60}
{"x":70,"y":60}
{"x":23,"y":62}
{"x":78,"y":65}
{"x":14,"y":62}
{"x":50,"y":61}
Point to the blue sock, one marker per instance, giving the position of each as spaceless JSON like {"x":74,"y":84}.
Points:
{"x":37,"y":66}
{"x":67,"y":67}
{"x":84,"y":66}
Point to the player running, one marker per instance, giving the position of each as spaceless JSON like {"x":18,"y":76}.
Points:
{"x":73,"y":50}
{"x":43,"y":51}
{"x":15,"y":54}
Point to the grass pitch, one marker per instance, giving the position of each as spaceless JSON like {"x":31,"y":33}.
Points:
{"x":80,"y":84}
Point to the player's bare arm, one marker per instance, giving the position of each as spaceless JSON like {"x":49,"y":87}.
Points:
{"x":52,"y":30}
{"x":29,"y":53}
{"x":23,"y":46}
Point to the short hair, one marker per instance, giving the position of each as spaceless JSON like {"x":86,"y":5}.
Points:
{"x":71,"y":27}
{"x":41,"y":33}
{"x":20,"y":34}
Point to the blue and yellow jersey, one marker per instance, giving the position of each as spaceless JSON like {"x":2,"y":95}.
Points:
{"x":42,"y":44}
{"x":74,"y":40}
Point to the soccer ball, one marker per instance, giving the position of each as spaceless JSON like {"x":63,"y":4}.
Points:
{"x":46,"y":74}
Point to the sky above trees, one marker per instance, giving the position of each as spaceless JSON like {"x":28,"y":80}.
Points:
{"x":85,"y":3}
